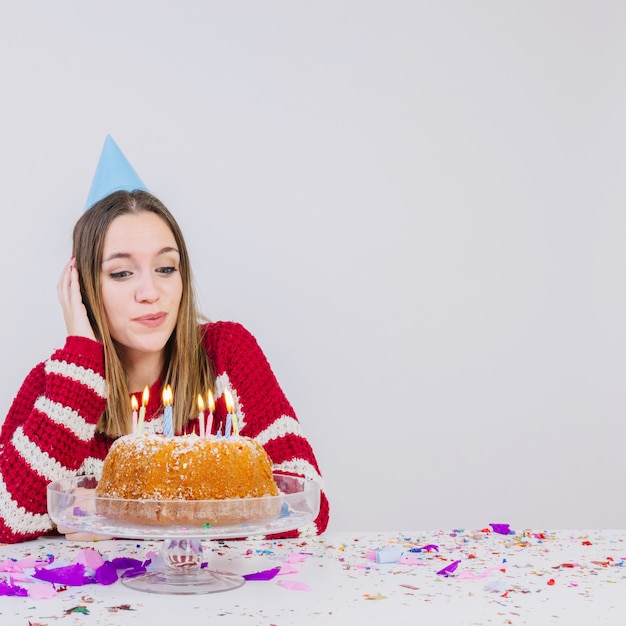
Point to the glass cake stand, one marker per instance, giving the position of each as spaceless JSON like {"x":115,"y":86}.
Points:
{"x":72,"y":504}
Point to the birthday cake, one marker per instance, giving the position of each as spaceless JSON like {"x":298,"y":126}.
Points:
{"x":189,"y":480}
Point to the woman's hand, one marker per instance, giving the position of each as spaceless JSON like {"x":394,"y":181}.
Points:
{"x":74,"y":311}
{"x":72,"y":535}
{"x":83,"y":499}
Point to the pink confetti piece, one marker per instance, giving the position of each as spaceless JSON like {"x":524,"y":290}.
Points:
{"x":294,"y":585}
{"x":296,"y":557}
{"x":411,"y":559}
{"x":287,"y":569}
{"x":89,"y":558}
{"x":18,"y":577}
{"x":41,"y":591}
{"x":19,"y":566}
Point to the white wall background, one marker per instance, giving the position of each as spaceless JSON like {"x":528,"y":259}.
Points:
{"x":417,"y":207}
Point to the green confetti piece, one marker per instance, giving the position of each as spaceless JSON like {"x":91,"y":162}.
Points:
{"x":78,"y":609}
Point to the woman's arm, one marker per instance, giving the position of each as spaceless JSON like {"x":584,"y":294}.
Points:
{"x":263,"y":410}
{"x":48,"y":434}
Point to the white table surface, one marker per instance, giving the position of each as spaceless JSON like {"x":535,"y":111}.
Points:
{"x":530,"y":577}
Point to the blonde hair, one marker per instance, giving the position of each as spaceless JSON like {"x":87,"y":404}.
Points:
{"x":187,"y":367}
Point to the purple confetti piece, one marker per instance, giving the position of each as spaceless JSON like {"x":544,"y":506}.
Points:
{"x":133,"y":572}
{"x":501,"y":529}
{"x":267,"y":574}
{"x":106,"y":574}
{"x":78,"y":512}
{"x":124,"y":562}
{"x":73,"y":575}
{"x":12,"y":590}
{"x":449,"y":569}
{"x":427,"y":548}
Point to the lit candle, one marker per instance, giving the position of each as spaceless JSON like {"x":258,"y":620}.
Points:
{"x":211,"y":403}
{"x":168,"y":399}
{"x":201,"y":414}
{"x":231,"y":417}
{"x":142,"y":411}
{"x":135,"y":405}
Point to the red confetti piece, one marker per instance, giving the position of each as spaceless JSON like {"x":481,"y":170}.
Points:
{"x":551,"y":582}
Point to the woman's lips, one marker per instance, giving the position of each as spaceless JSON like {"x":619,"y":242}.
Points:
{"x":151,"y":321}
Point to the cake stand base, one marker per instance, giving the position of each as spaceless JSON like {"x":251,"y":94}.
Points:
{"x":204,"y":581}
{"x":183,"y":573}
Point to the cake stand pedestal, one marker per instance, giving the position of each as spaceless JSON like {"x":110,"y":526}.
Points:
{"x":183,"y":573}
{"x":72,"y":504}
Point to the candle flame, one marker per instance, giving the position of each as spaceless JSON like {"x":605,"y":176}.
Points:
{"x":210,"y":401}
{"x":133,"y":403}
{"x":230,"y":403}
{"x":145,"y":396}
{"x":200,"y":403}
{"x":168,"y":396}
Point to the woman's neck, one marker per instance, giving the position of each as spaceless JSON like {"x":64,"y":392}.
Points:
{"x":142,"y":369}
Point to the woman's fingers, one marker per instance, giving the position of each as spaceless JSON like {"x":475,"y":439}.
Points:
{"x":72,"y":535}
{"x":70,"y":297}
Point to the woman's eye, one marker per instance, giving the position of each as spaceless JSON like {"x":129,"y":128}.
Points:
{"x":166,"y":270}
{"x":119,"y":275}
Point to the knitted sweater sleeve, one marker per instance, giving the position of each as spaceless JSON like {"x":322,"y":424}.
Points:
{"x":262,"y":409}
{"x":49,"y":434}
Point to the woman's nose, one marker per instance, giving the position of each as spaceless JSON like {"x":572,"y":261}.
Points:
{"x":147,"y":289}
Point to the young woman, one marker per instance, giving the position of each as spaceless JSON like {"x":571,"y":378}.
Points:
{"x":132,"y":321}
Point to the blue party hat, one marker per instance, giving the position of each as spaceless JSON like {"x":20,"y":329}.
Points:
{"x":113,"y":173}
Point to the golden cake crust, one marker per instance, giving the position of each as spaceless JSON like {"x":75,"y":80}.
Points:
{"x":187,"y":480}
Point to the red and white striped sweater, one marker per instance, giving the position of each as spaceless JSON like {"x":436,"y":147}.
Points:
{"x":49,"y":432}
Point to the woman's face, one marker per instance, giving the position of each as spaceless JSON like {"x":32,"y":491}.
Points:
{"x":141,"y":283}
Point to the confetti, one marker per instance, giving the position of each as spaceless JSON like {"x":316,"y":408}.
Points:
{"x":378,"y":596}
{"x":264,"y":575}
{"x":449,"y":569}
{"x":77,"y":609}
{"x":501,"y":529}
{"x":294,"y":585}
{"x":121,"y":607}
{"x":492,"y":577}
